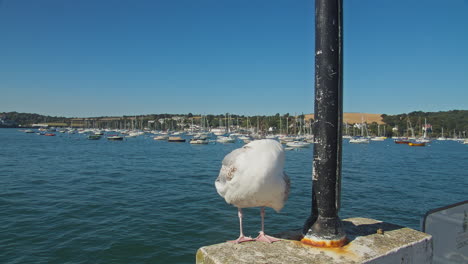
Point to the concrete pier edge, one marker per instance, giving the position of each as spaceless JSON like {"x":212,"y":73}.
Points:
{"x":369,"y":241}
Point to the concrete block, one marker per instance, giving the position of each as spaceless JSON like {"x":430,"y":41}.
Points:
{"x":369,"y":241}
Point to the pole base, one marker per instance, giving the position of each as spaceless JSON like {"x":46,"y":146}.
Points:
{"x":325,"y":232}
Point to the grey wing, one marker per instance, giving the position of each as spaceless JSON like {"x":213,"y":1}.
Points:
{"x":229,"y":167}
{"x":231,"y":158}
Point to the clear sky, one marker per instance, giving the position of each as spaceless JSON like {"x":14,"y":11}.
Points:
{"x":108,"y":57}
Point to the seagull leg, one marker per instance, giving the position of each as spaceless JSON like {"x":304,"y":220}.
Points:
{"x":262,"y":236}
{"x":241,"y":238}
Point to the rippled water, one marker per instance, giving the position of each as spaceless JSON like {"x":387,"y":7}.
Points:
{"x":66,"y":199}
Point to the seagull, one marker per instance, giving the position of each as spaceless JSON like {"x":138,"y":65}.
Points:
{"x":253,"y":176}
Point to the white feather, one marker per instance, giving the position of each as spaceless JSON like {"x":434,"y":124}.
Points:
{"x":253,"y":176}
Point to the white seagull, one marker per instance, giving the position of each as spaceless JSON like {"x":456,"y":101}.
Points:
{"x":253,"y":176}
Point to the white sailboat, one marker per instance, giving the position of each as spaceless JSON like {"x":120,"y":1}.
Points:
{"x":361,"y":139}
{"x":298,"y":144}
{"x":222,"y":139}
{"x":442,"y":136}
{"x":424,"y":138}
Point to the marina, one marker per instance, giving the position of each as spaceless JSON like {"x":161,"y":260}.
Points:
{"x":70,"y":199}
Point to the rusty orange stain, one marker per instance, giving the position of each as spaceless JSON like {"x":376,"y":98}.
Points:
{"x":324,"y":243}
{"x":343,"y":250}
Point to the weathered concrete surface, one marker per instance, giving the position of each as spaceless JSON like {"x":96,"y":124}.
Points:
{"x":370,"y":241}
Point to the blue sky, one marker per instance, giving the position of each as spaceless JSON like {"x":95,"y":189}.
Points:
{"x":108,"y":57}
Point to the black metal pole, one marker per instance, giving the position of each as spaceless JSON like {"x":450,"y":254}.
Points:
{"x":324,"y":227}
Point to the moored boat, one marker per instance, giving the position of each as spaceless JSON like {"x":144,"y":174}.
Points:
{"x":198,"y":141}
{"x":359,"y":140}
{"x":401,"y":141}
{"x":222,"y":139}
{"x":49,"y":134}
{"x":417,"y":144}
{"x":161,"y":137}
{"x":176,"y":139}
{"x":298,"y":144}
{"x":115,"y":138}
{"x":94,"y":137}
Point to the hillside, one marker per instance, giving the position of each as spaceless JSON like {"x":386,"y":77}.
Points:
{"x":353,"y":118}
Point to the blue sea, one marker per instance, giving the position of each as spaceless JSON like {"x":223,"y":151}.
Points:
{"x":66,"y":199}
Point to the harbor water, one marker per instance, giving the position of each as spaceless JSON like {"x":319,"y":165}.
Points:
{"x":67,"y":199}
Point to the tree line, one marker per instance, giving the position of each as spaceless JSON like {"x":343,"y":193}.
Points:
{"x":451,"y":122}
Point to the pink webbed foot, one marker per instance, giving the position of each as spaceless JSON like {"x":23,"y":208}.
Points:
{"x":265,"y":238}
{"x":241,"y":239}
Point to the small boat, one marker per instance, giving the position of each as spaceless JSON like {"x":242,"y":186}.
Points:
{"x":417,"y":144}
{"x":115,"y":138}
{"x":245,"y":139}
{"x":286,"y":139}
{"x":200,"y":136}
{"x":28,"y":131}
{"x":198,"y":141}
{"x":49,"y":134}
{"x":218,"y":131}
{"x":402,"y":141}
{"x":425,"y":140}
{"x":94,"y":137}
{"x":298,"y":144}
{"x":222,"y":139}
{"x":176,"y":139}
{"x":161,"y":137}
{"x":359,"y":140}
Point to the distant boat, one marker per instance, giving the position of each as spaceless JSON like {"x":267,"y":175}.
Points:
{"x":176,"y":139}
{"x":115,"y":138}
{"x":222,"y":139}
{"x":359,"y":140}
{"x":161,"y":137}
{"x":423,"y":140}
{"x":28,"y":131}
{"x":378,"y":138}
{"x":401,"y":141}
{"x":198,"y":141}
{"x":131,"y":135}
{"x":417,"y":144}
{"x":298,"y":144}
{"x":442,"y":137}
{"x":286,"y":139}
{"x":94,"y":137}
{"x":49,"y":134}
{"x":218,"y":131}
